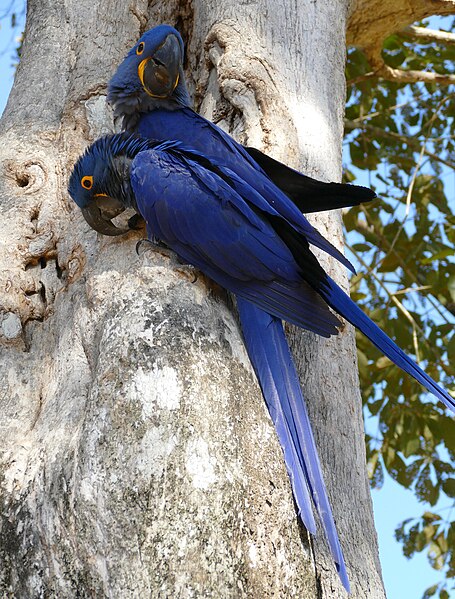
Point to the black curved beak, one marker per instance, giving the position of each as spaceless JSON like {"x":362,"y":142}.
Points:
{"x":100,"y":212}
{"x":159,"y":74}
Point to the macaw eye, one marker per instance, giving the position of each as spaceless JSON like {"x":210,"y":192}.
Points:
{"x":140,"y":48}
{"x":87,"y":182}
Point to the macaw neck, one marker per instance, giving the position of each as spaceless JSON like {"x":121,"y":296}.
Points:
{"x":181,"y":94}
{"x":129,"y":107}
{"x":119,"y":182}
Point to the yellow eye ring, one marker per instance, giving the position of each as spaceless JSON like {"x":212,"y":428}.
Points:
{"x":140,"y":48}
{"x":87,"y":182}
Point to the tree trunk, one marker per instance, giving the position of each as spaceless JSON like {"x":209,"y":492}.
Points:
{"x":137,"y":455}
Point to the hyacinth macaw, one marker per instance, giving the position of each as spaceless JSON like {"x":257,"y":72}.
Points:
{"x":149,"y":95}
{"x":252,"y":243}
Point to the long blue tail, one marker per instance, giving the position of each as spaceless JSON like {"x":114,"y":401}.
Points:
{"x":343,"y":305}
{"x":272,"y":361}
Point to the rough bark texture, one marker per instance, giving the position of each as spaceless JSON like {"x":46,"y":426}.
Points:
{"x":137,"y":457}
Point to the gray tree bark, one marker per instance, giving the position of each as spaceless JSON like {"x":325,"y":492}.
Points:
{"x":137,"y":455}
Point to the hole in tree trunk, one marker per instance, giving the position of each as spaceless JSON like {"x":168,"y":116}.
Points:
{"x":22,"y":179}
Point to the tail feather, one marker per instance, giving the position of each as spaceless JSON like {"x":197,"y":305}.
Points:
{"x":261,"y":363}
{"x":271,"y":358}
{"x":344,"y":306}
{"x":310,"y":195}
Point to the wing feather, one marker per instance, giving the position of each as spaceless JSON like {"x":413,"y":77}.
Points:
{"x":210,"y":225}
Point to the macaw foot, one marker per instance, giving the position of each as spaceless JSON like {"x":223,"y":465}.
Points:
{"x":156,"y":245}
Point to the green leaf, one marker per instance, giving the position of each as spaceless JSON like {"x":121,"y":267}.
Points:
{"x":383,"y":362}
{"x":411,"y":447}
{"x":430,"y":592}
{"x":361,"y":247}
{"x":451,"y":287}
{"x":430,"y":517}
{"x":438,"y":256}
{"x":448,"y":487}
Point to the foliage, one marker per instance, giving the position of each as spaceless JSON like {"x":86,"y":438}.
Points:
{"x":400,"y":140}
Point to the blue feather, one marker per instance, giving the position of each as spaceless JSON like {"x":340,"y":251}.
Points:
{"x":272,"y":361}
{"x":343,"y":304}
{"x":202,"y":138}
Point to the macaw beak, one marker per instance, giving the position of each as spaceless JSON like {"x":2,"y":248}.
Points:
{"x":159,"y":74}
{"x":100,"y":212}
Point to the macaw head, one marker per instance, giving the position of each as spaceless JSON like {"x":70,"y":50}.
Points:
{"x":151,"y":75}
{"x":100,"y":182}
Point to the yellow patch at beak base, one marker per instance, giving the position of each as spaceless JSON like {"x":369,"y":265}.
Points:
{"x":140,"y":71}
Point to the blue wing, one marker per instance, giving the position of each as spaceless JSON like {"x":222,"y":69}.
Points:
{"x":272,"y":361}
{"x":204,"y":220}
{"x":211,"y":142}
{"x":309,"y":195}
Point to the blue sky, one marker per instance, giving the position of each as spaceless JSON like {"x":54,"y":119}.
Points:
{"x":8,"y":37}
{"x":404,"y":579}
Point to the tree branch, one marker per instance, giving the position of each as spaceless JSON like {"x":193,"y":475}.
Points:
{"x":412,"y":142}
{"x":383,"y":71}
{"x":401,"y":76}
{"x":427,"y":35}
{"x":371,"y":21}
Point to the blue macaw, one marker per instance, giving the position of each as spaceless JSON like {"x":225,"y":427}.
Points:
{"x":247,"y":239}
{"x":149,"y":95}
